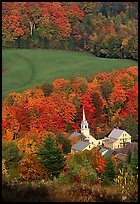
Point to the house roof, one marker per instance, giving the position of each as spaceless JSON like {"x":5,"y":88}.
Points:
{"x":108,"y":153}
{"x":126,"y":148}
{"x":109,"y":141}
{"x":75,"y":134}
{"x":121,"y":156}
{"x":80,"y":145}
{"x":116,"y":133}
{"x":102,"y":150}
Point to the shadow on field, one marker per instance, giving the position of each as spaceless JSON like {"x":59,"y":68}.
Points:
{"x":25,"y":194}
{"x":32,"y":69}
{"x":31,"y":77}
{"x":58,"y":193}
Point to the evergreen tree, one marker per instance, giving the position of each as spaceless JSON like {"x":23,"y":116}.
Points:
{"x":47,"y":88}
{"x":11,"y":153}
{"x":134,"y":162}
{"x":110,"y":172}
{"x":51,"y":156}
{"x":66,"y":144}
{"x":129,"y":155}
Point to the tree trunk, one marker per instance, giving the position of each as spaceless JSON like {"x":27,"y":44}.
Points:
{"x":31,"y":27}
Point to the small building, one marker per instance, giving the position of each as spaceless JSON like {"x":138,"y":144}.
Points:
{"x":81,"y":146}
{"x":122,"y":152}
{"x":103,"y":151}
{"x":128,"y":147}
{"x":121,"y":156}
{"x":108,"y":153}
{"x":116,"y":139}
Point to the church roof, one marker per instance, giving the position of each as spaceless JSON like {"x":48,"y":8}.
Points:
{"x":116,"y":133}
{"x":75,"y":134}
{"x":80,"y":145}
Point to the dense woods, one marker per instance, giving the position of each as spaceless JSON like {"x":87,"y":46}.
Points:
{"x":105,"y":29}
{"x":37,"y":161}
{"x":109,"y":99}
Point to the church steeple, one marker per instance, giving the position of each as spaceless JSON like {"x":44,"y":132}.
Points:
{"x":84,"y":118}
{"x":84,"y":125}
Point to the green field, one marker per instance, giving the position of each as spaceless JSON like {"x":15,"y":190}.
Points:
{"x":23,"y":68}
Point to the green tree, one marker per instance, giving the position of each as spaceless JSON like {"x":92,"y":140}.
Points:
{"x":51,"y":156}
{"x":5,"y":174}
{"x":47,"y":88}
{"x":66,"y":144}
{"x":129,"y":155}
{"x":110,"y":172}
{"x":106,"y":89}
{"x":130,"y":125}
{"x":10,"y":153}
{"x":134,"y":161}
{"x":79,"y":169}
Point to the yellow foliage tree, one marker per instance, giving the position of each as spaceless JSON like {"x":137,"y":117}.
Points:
{"x":4,"y":172}
{"x":124,"y":42}
{"x":31,"y":169}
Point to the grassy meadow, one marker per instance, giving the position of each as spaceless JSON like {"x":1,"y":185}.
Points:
{"x":25,"y":68}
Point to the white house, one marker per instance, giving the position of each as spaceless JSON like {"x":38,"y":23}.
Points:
{"x":116,"y":139}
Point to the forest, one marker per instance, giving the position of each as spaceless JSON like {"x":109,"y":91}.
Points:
{"x":105,"y":29}
{"x":109,"y":99}
{"x":37,"y":162}
{"x":37,"y":122}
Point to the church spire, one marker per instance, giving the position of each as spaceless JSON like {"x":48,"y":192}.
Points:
{"x":84,"y":125}
{"x":84,"y":118}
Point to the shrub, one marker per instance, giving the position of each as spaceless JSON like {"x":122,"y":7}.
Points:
{"x":4,"y":173}
{"x":78,"y":169}
{"x":128,"y":184}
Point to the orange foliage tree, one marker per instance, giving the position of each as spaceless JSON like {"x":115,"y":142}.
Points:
{"x":31,"y":169}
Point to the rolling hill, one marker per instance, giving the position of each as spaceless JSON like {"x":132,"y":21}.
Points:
{"x":25,"y":68}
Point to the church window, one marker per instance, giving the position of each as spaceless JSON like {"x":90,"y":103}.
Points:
{"x":85,"y":126}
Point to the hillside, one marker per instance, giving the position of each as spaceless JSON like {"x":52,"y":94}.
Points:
{"x":25,"y":68}
{"x":105,"y":29}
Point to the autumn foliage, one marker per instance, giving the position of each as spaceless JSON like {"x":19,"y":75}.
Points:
{"x":29,"y":116}
{"x":104,"y":29}
{"x":31,"y":169}
{"x":50,"y":20}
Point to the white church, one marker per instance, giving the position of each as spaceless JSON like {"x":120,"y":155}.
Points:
{"x":116,"y":139}
{"x":89,"y":141}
